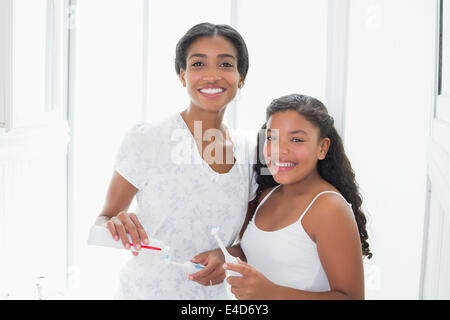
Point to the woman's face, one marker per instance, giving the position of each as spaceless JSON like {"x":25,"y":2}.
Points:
{"x":211,"y":76}
{"x":292,"y":147}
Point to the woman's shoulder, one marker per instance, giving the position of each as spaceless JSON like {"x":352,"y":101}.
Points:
{"x":156,"y":127}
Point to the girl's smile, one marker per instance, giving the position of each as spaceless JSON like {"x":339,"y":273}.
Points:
{"x":292,"y":147}
{"x":282,"y":165}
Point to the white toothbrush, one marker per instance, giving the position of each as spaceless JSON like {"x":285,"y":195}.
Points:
{"x":229,"y":259}
{"x":188,"y":266}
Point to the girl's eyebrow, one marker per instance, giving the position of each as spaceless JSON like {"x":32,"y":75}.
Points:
{"x":298,"y":131}
{"x":202,"y":55}
{"x":292,"y":132}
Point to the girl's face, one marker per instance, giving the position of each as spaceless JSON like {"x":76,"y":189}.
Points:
{"x":292,"y":147}
{"x":211,"y":76}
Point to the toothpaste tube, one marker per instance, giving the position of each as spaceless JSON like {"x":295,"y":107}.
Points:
{"x":100,"y":236}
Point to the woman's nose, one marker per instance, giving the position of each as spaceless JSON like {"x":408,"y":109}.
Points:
{"x":212,"y":75}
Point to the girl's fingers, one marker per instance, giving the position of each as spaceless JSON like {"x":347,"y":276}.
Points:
{"x":236,"y":282}
{"x":238,"y":293}
{"x":240,"y":268}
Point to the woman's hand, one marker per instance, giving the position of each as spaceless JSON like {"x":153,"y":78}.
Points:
{"x":213,"y":273}
{"x":252,"y":285}
{"x":124,"y":223}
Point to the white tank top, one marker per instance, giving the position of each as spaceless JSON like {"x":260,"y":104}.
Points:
{"x":288,"y":256}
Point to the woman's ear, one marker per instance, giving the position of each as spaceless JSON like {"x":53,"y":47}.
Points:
{"x":183,"y":77}
{"x":324,"y":146}
{"x":241,"y":82}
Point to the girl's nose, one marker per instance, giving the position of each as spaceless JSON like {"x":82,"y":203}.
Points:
{"x":283,"y":147}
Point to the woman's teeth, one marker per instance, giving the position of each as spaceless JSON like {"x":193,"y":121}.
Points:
{"x":212,"y":90}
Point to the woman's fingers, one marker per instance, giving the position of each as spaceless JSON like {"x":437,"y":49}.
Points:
{"x":120,"y":228}
{"x":130,"y":228}
{"x":112,"y":229}
{"x":140,"y":229}
{"x":125,"y":224}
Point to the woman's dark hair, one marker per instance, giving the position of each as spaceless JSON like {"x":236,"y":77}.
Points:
{"x":335,"y":168}
{"x":207,"y":29}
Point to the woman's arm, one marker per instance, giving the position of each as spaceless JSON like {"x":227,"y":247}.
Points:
{"x":114,"y":214}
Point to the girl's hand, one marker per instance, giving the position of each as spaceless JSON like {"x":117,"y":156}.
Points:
{"x":125,"y":223}
{"x":213,"y":273}
{"x":253,"y":285}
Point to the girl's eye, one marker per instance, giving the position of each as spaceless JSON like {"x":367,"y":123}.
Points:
{"x":297,"y":140}
{"x":269,"y":138}
{"x":197,"y":64}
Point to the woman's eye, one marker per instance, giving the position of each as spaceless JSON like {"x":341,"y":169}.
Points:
{"x":197,"y":64}
{"x":269,"y":138}
{"x":297,"y":140}
{"x":226,"y":65}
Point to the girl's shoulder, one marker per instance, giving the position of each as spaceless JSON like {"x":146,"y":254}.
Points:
{"x":329,"y":208}
{"x":264,"y":194}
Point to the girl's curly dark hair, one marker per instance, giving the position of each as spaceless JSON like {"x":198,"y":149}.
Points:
{"x":335,"y":168}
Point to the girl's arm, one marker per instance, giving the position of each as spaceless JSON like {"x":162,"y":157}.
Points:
{"x":332,"y":226}
{"x":236,"y":250}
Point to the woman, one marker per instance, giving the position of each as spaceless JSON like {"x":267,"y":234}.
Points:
{"x":188,"y":173}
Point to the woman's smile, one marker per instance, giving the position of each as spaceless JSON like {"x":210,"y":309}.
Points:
{"x":211,"y":91}
{"x":211,"y":76}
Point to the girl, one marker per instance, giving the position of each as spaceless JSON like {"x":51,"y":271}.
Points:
{"x":308,"y":235}
{"x":182,"y":185}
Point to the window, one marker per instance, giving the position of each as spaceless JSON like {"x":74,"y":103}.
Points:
{"x":443,"y":74}
{"x":31,"y":26}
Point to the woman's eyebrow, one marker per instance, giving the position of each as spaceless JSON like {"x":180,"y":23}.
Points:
{"x":202,"y":55}
{"x":226,"y":55}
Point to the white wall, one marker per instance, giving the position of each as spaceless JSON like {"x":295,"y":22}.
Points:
{"x":287,"y":43}
{"x":389,"y":98}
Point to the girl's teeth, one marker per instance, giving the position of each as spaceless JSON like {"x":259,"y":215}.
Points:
{"x":284,"y":164}
{"x":211,"y":90}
